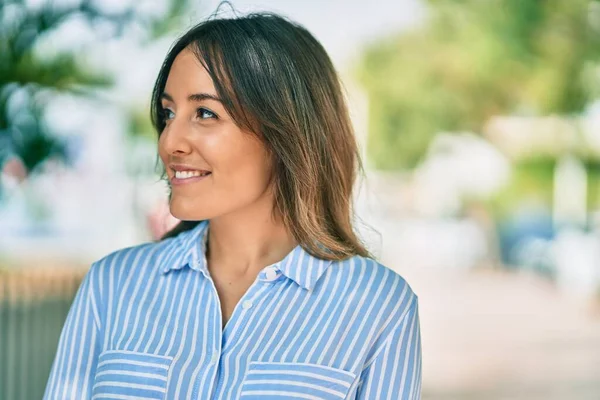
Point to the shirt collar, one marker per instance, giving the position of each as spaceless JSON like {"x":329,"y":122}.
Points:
{"x":189,"y":248}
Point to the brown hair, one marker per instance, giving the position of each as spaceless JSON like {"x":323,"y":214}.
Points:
{"x":276,"y":80}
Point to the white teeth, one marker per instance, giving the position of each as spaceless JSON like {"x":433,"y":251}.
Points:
{"x":189,"y":174}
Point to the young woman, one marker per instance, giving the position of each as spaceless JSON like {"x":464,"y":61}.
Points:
{"x":263,"y":291}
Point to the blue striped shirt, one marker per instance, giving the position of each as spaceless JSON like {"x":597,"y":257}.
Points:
{"x":146,"y":323}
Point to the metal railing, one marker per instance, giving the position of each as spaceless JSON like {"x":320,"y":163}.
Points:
{"x":33,"y":308}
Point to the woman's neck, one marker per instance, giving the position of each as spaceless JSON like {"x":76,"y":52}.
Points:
{"x":246,"y":241}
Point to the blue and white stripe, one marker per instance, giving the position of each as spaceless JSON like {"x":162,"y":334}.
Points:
{"x":146,"y":324}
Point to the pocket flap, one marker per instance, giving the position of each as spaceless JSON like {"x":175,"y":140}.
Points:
{"x":300,"y":380}
{"x":122,"y":374}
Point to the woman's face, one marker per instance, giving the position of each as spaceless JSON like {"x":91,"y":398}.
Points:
{"x":200,"y":135}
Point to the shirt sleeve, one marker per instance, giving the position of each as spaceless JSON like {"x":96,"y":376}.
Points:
{"x":74,"y":366}
{"x":395,"y":372}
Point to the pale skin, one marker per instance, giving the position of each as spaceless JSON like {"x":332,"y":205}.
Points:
{"x":236,"y":197}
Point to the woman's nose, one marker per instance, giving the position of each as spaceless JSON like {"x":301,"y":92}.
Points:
{"x":174,"y":138}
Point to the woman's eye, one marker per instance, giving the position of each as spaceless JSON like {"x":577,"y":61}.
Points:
{"x":167,"y":114}
{"x":203,"y":113}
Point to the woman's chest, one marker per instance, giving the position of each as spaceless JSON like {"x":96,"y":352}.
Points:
{"x":170,"y":343}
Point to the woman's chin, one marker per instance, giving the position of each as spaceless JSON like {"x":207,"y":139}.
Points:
{"x":187,"y":213}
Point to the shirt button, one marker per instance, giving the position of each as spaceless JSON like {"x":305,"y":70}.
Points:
{"x":271,"y":274}
{"x":247,"y":304}
{"x":214,"y":358}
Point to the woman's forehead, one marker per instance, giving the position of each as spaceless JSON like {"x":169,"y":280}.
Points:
{"x":188,"y":75}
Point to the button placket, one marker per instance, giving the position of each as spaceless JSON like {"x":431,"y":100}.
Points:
{"x":242,"y":312}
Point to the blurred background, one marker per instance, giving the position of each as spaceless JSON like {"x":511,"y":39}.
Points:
{"x":479,"y":124}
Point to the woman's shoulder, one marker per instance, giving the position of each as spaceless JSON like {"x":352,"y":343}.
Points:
{"x":370,"y":268}
{"x":376,"y":279}
{"x":381,"y":296}
{"x":131,"y":258}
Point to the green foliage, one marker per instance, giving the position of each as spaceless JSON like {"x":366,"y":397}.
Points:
{"x":474,"y":59}
{"x":532,"y":182}
{"x":29,"y":79}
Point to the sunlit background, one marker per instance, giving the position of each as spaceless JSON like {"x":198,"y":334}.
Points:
{"x":479,"y":124}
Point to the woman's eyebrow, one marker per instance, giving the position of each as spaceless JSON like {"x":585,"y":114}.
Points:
{"x":193,"y":97}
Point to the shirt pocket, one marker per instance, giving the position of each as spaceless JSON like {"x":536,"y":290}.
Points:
{"x":282,"y":380}
{"x":123,"y":374}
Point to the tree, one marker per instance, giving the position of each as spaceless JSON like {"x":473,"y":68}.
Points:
{"x":474,"y":59}
{"x":28,"y":78}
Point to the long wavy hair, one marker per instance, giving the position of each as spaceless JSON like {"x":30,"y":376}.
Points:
{"x":277,"y":81}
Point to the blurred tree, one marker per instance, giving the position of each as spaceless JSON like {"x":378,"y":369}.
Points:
{"x":29,"y":78}
{"x":473,"y":59}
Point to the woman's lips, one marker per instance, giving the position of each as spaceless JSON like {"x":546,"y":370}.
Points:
{"x":185,"y":181}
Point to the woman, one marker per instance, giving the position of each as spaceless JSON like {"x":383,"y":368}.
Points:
{"x":264,"y":290}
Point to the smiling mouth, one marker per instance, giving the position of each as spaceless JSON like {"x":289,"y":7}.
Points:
{"x":190,"y":174}
{"x":188,"y":177}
